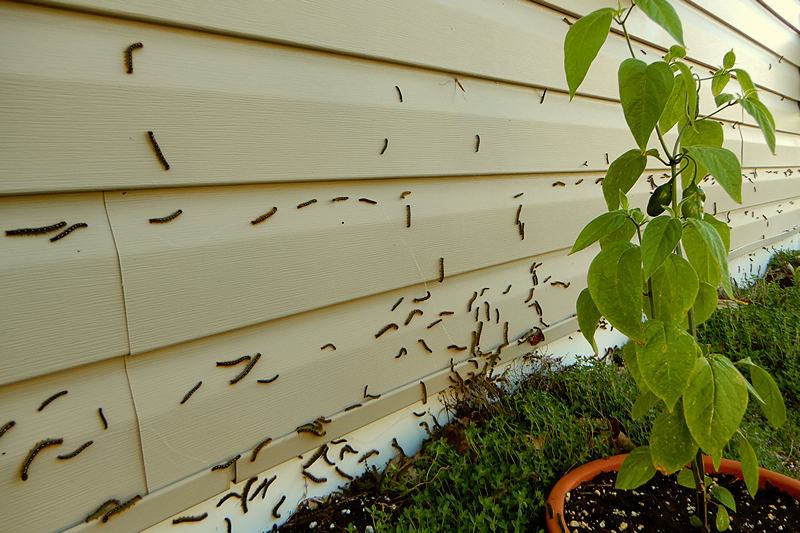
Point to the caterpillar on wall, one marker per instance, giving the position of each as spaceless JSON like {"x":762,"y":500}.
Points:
{"x":275,"y":513}
{"x":189,"y":394}
{"x":427,"y":296}
{"x":69,"y":230}
{"x":519,"y":212}
{"x":456,"y":347}
{"x":267,"y":381}
{"x":497,"y":315}
{"x":530,"y":295}
{"x":158,"y":150}
{"x":329,"y":345}
{"x":226,"y":464}
{"x":565,"y":285}
{"x":228,"y":524}
{"x":76,"y":452}
{"x":405,"y":193}
{"x":424,"y":393}
{"x":340,"y":199}
{"x":264,"y":217}
{"x":488,"y":309}
{"x":478,"y":143}
{"x":403,"y":352}
{"x":367,"y":201}
{"x":385,"y":146}
{"x":559,"y":184}
{"x":245,"y":490}
{"x":129,"y":56}
{"x":471,"y":301}
{"x":35,"y":231}
{"x":398,"y":303}
{"x":164,"y":220}
{"x":505,"y":332}
{"x":247,"y":369}
{"x":507,"y":289}
{"x":446,"y":313}
{"x":339,"y":441}
{"x":102,"y":418}
{"x":263,"y":488}
{"x":322,"y":449}
{"x":50,"y":399}
{"x":313,"y":478}
{"x":424,"y":345}
{"x":6,"y":427}
{"x":401,"y":101}
{"x":234,"y":362}
{"x":408,"y":216}
{"x":346,"y":449}
{"x":537,"y":306}
{"x":182,"y":519}
{"x":103,"y":509}
{"x":518,"y":194}
{"x":229,"y":495}
{"x":441,"y":269}
{"x":521,"y":226}
{"x":343,"y":474}
{"x":367,"y":455}
{"x":434,"y":323}
{"x":544,"y":93}
{"x":258,"y":448}
{"x":385,"y":329}
{"x":545,"y":280}
{"x":121,"y":507}
{"x":304,"y":204}
{"x":354,"y":406}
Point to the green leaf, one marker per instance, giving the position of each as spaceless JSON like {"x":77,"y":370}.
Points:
{"x":723,"y":98}
{"x":636,"y":470}
{"x":675,"y":107}
{"x":720,"y":81}
{"x":773,"y":406}
{"x":695,"y":522}
{"x":615,"y":283}
{"x":706,"y":302}
{"x":763,"y":117}
{"x":632,"y":362}
{"x":691,"y":91}
{"x":582,"y":43}
{"x":724,"y":497}
{"x":666,"y":360}
{"x":660,"y":237}
{"x":749,"y":461}
{"x":663,"y":14}
{"x":622,"y":176}
{"x":707,"y":133}
{"x":723,"y":520}
{"x":700,"y":257}
{"x":675,"y":287}
{"x":671,"y":445}
{"x":597,"y":229}
{"x":723,"y":165}
{"x":623,"y":233}
{"x":588,"y":317}
{"x":729,"y":60}
{"x":644,"y":402}
{"x":686,"y":479}
{"x":717,"y":249}
{"x":722,"y":228}
{"x":643,"y":92}
{"x":677,"y":51}
{"x":745,"y":82}
{"x":714,"y":403}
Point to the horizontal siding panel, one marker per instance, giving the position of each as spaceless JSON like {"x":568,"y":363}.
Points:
{"x":787,"y":10}
{"x":762,"y":222}
{"x":61,"y":493}
{"x":62,"y":303}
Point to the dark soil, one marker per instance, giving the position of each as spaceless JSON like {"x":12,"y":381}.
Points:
{"x":663,"y":506}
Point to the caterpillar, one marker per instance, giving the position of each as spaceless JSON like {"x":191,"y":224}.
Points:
{"x":189,"y":394}
{"x":275,"y":513}
{"x":313,"y":478}
{"x":586,"y":163}
{"x":6,"y":427}
{"x":182,"y":519}
{"x":424,"y":393}
{"x":339,"y":441}
{"x":311,"y":429}
{"x":50,"y":399}
{"x":518,"y":194}
{"x":121,"y":507}
{"x":427,"y":428}
{"x":403,"y":352}
{"x":497,"y":315}
{"x":579,"y":181}
{"x":478,"y":143}
{"x":411,"y":315}
{"x":129,"y":55}
{"x":534,"y":266}
{"x":607,"y":163}
{"x":367,"y":201}
{"x":258,"y":448}
{"x":386,"y":328}
{"x":164,"y":220}
{"x":456,"y":347}
{"x":565,"y":285}
{"x":545,"y":280}
{"x":471,"y":300}
{"x":267,"y":381}
{"x":405,"y":193}
{"x":478,"y":333}
{"x":264,"y":217}
{"x":530,"y":296}
{"x":401,"y":101}
{"x":326,"y":458}
{"x":598,"y":181}
{"x":507,"y":289}
{"x":474,"y":362}
{"x":69,"y":230}
{"x":234,"y":362}
{"x":368,"y":455}
{"x":559,"y":184}
{"x":398,"y":303}
{"x":228,"y":523}
{"x":483,"y":290}
{"x":263,"y":488}
{"x":304,"y":204}
{"x":549,"y":509}
{"x":35,"y":231}
{"x":538,"y":307}
{"x":340,"y":199}
{"x":346,"y":449}
{"x":329,"y":345}
{"x":408,"y":216}
{"x":535,"y":278}
{"x":434,"y":323}
{"x":418,"y":415}
{"x":245,"y":491}
{"x":158,"y":150}
{"x":101,"y":510}
{"x":226,"y":464}
{"x":247,"y":369}
{"x":316,"y":456}
{"x":229,"y":495}
{"x":488,"y":309}
{"x":543,"y":322}
{"x":354,"y":406}
{"x":372,"y":396}
{"x":521,"y":226}
{"x":385,"y":146}
{"x":102,"y":418}
{"x":365,"y":390}
{"x":427,"y":296}
{"x":545,"y":89}
{"x":441,"y":269}
{"x":343,"y":474}
{"x":76,"y":452}
{"x":424,"y":345}
{"x":447,"y":313}
{"x":519,"y":212}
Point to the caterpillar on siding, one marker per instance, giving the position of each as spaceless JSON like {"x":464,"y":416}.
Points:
{"x":340,"y":199}
{"x":534,"y":266}
{"x":234,"y":362}
{"x":477,"y":312}
{"x":434,"y":323}
{"x":488,"y":309}
{"x":346,"y":449}
{"x":228,"y":523}
{"x":101,"y":510}
{"x":158,"y":150}
{"x":275,"y":513}
{"x":446,"y":313}
{"x":483,"y":290}
{"x":76,"y":452}
{"x":245,"y":491}
{"x":508,"y":289}
{"x":368,"y":455}
{"x":164,"y":220}
{"x":565,"y":285}
{"x":121,"y":507}
{"x":424,"y":393}
{"x":385,"y":146}
{"x":424,"y":345}
{"x":264,"y":217}
{"x":471,"y":301}
{"x":559,"y":184}
{"x":456,"y":347}
{"x":478,"y":334}
{"x":6,"y":427}
{"x":408,"y":216}
{"x":311,"y":429}
{"x":258,"y":448}
{"x":313,"y":478}
{"x":530,"y":296}
{"x":304,"y":204}
{"x":35,"y":231}
{"x":372,"y":396}
{"x":102,"y":418}
{"x":267,"y":381}
{"x":189,"y":394}
{"x":598,"y":181}
{"x":441,"y":269}
{"x":403,"y":352}
{"x":519,"y":212}
{"x":398,"y":303}
{"x":405,"y":193}
{"x":545,"y":280}
{"x":505,"y":332}
{"x":474,"y":362}
{"x":50,"y":399}
{"x":354,"y":406}
{"x":263,"y":488}
{"x":401,"y":101}
{"x":518,"y":194}
{"x":543,"y":95}
{"x":226,"y":464}
{"x":367,"y":201}
{"x":129,"y":56}
{"x":427,"y":428}
{"x":247,"y":369}
{"x":183,"y":519}
{"x":579,"y":181}
{"x":316,"y":456}
{"x":418,"y":415}
{"x":339,"y":441}
{"x":229,"y":495}
{"x":343,"y":474}
{"x":478,"y":143}
{"x":426,"y":297}
{"x":497,"y":315}
{"x":386,"y":328}
{"x":521,"y":226}
{"x":327,"y":459}
{"x":411,"y":315}
{"x":542,"y":322}
{"x":535,"y":278}
{"x":329,"y":345}
{"x":69,"y":230}
{"x":537,"y":306}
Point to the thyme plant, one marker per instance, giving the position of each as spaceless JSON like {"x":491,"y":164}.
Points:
{"x":656,"y":292}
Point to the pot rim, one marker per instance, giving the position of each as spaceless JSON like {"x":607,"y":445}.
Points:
{"x":573,"y":478}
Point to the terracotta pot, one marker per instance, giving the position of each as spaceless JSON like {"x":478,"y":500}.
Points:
{"x":611,"y":464}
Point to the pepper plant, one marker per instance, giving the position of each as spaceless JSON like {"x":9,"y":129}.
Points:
{"x":657,"y":290}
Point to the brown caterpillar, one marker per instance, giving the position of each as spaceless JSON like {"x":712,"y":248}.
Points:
{"x":441,"y":269}
{"x":424,"y":345}
{"x":385,"y":146}
{"x":477,"y":312}
{"x":535,"y":279}
{"x":329,"y":345}
{"x":405,"y":193}
{"x":386,"y":328}
{"x":50,"y":399}
{"x":488,"y":309}
{"x":158,"y":150}
{"x":434,"y":323}
{"x":418,"y":415}
{"x":579,"y":181}
{"x":246,"y":490}
{"x":346,"y":449}
{"x":322,"y":449}
{"x":559,"y":184}
{"x":565,"y":285}
{"x":340,"y":199}
{"x":545,"y":89}
{"x":408,"y":216}
{"x":507,"y":289}
{"x":247,"y":369}
{"x":69,"y":230}
{"x":411,"y":315}
{"x":263,"y":488}
{"x":101,"y":510}
{"x":424,"y":393}
{"x":234,"y":362}
{"x":505,"y":332}
{"x":275,"y":512}
{"x":311,"y":429}
{"x":456,"y":347}
{"x":226,"y":464}
{"x":228,"y":523}
{"x":372,"y":396}
{"x":530,"y":296}
{"x":119,"y":508}
{"x":343,"y":474}
{"x":129,"y":55}
{"x":427,"y":428}
{"x":304,"y":204}
{"x":326,"y":458}
{"x":607,"y":163}
{"x":427,"y":296}
{"x":398,"y":303}
{"x":401,"y":101}
{"x":164,"y":220}
{"x":537,"y":306}
{"x":368,"y":455}
{"x":471,"y":301}
{"x":35,"y":231}
{"x":497,"y":315}
{"x":189,"y":394}
{"x":267,"y":381}
{"x":354,"y":406}
{"x":534,"y":266}
{"x":403,"y":352}
{"x":545,"y":280}
{"x":229,"y":495}
{"x":518,"y":194}
{"x":6,"y":427}
{"x":182,"y":519}
{"x":521,"y":226}
{"x":446,"y":313}
{"x":313,"y":478}
{"x":367,"y":201}
{"x":478,"y":143}
{"x":102,"y":418}
{"x":542,"y":322}
{"x":258,"y":448}
{"x":264,"y":217}
{"x":598,"y":181}
{"x":76,"y":452}
{"x":339,"y":441}
{"x":519,"y":212}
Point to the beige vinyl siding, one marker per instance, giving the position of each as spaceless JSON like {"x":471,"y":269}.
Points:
{"x":258,"y":105}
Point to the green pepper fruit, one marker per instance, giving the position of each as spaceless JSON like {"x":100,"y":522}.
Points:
{"x":692,"y":208}
{"x":661,"y":197}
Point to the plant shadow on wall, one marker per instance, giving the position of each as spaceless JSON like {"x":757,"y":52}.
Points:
{"x":671,"y":276}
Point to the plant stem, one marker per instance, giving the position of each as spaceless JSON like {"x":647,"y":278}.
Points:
{"x":627,"y":37}
{"x":700,"y":490}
